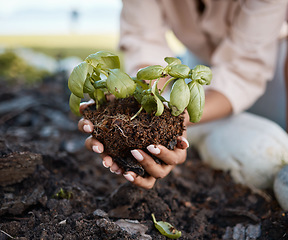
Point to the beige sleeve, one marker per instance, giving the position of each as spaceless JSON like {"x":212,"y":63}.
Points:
{"x":245,"y":59}
{"x":142,"y":34}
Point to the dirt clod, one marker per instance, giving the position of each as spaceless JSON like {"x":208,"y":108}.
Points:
{"x":119,"y":134}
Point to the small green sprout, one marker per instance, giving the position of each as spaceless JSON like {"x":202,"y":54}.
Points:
{"x":166,"y":229}
{"x":100,"y":74}
{"x":62,"y":194}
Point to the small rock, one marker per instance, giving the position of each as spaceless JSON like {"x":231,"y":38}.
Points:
{"x":108,"y":227}
{"x":63,"y":222}
{"x":281,"y":188}
{"x":241,"y":232}
{"x":100,"y":213}
{"x":253,"y":231}
{"x":134,"y":227}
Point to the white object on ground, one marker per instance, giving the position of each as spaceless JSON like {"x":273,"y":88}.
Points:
{"x":281,"y":188}
{"x":251,"y":147}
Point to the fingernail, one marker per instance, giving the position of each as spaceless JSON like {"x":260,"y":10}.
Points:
{"x":104,"y":164}
{"x":87,"y":128}
{"x":153,"y":149}
{"x":118,"y":172}
{"x":111,"y":170}
{"x":96,"y":149}
{"x":137,"y":155}
{"x":184,"y":140}
{"x":129,"y":177}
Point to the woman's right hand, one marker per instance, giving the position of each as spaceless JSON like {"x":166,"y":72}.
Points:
{"x":92,"y":143}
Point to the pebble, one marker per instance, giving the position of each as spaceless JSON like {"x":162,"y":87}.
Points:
{"x":241,"y":232}
{"x":134,"y":227}
{"x":100,"y":213}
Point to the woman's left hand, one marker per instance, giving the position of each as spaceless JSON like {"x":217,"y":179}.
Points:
{"x":170,"y":157}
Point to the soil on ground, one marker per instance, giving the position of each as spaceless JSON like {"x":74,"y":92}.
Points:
{"x":59,"y":190}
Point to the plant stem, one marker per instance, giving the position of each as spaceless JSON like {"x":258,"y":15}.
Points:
{"x":166,"y":84}
{"x":150,"y":84}
{"x":136,"y":114}
{"x":155,"y":88}
{"x":153,"y":218}
{"x":106,"y":74}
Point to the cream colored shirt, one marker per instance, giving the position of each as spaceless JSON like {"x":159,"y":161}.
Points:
{"x":238,"y":38}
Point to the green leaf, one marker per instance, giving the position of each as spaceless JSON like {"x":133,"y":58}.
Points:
{"x":166,"y":229}
{"x":111,"y":62}
{"x":105,"y":59}
{"x":150,"y":72}
{"x":95,"y":77}
{"x":88,"y":87}
{"x":160,"y":105}
{"x":140,"y":87}
{"x":196,"y":102}
{"x":172,"y":61}
{"x":202,"y":74}
{"x":179,"y":97}
{"x":77,"y":79}
{"x":151,"y":100}
{"x":149,"y":104}
{"x":74,"y":104}
{"x":100,"y":84}
{"x":179,"y":71}
{"x":99,"y":97}
{"x":120,"y":84}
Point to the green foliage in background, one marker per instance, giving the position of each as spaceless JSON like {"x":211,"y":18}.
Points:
{"x":14,"y":69}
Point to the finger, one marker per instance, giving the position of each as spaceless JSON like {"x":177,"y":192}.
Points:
{"x":182,"y":143}
{"x":154,"y":169}
{"x":106,"y":160}
{"x":94,"y":145}
{"x":114,"y":167}
{"x":108,"y":163}
{"x":84,"y":105}
{"x":170,"y":157}
{"x":85,"y":125}
{"x":147,"y":182}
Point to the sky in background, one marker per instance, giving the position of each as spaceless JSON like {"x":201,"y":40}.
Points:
{"x":25,"y":17}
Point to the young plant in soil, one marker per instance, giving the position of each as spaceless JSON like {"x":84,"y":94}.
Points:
{"x":139,"y":115}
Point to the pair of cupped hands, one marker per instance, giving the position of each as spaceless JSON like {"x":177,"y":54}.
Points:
{"x":155,"y":170}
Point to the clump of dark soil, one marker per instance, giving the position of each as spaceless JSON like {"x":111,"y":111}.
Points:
{"x":66,"y":193}
{"x":119,"y":134}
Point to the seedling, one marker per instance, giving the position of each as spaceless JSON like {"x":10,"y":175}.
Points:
{"x":63,"y":194}
{"x":100,"y":74}
{"x":166,"y":228}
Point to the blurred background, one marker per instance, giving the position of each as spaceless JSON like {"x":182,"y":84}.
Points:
{"x":40,"y":43}
{"x":60,"y":26}
{"x":58,"y":34}
{"x":46,"y":32}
